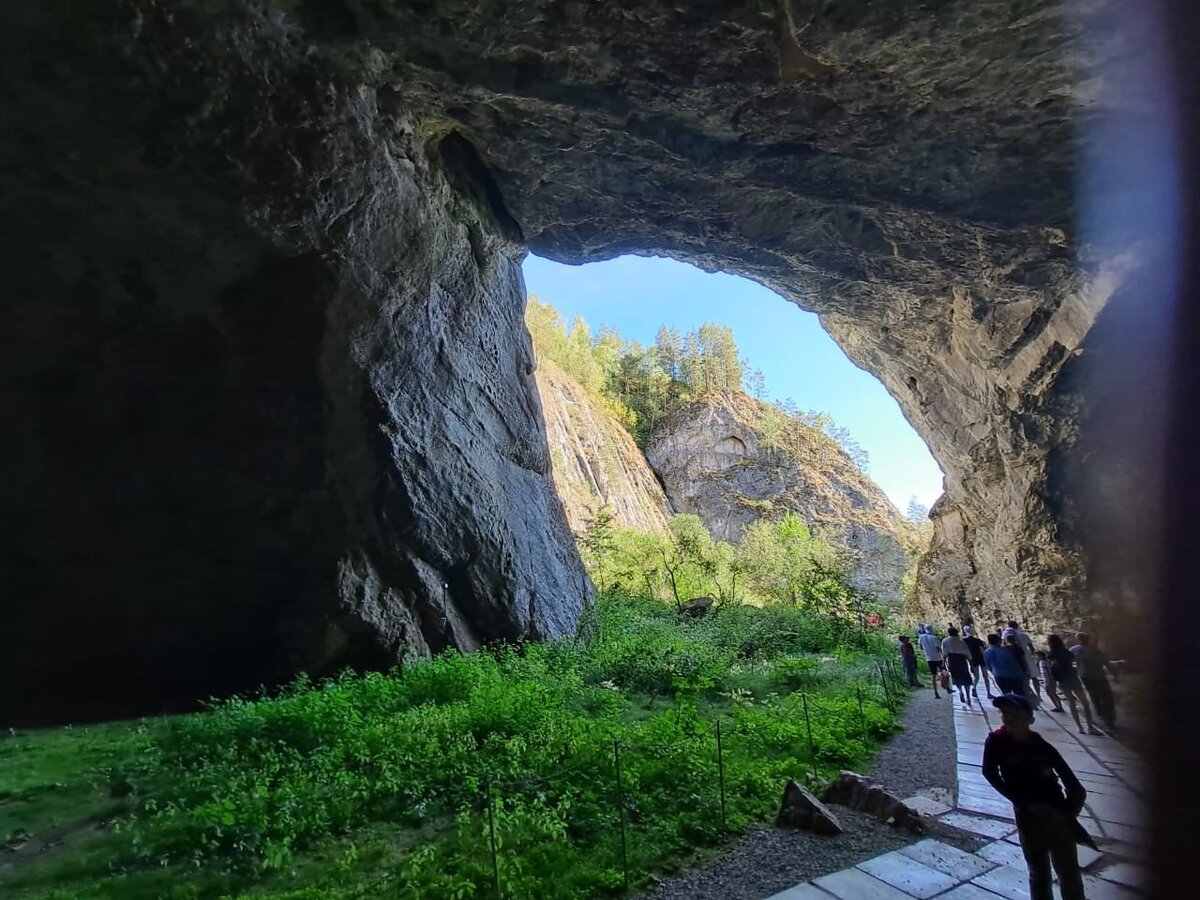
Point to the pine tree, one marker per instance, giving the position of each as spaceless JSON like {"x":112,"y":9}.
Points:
{"x":918,"y":512}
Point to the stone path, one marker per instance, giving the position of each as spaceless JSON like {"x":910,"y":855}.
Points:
{"x":1115,"y":816}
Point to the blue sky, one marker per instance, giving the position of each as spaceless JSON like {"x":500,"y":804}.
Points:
{"x":635,"y":295}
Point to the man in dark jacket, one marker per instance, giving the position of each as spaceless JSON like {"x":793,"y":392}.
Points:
{"x":1046,"y":797}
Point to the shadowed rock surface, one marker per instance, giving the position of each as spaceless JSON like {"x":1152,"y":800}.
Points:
{"x":267,"y":388}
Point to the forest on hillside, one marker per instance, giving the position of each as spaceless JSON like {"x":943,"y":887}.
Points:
{"x":642,"y":385}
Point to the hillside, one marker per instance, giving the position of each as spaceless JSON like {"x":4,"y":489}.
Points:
{"x":595,"y":460}
{"x":731,"y":460}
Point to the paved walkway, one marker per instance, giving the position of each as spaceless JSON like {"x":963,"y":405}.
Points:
{"x":1114,"y":815}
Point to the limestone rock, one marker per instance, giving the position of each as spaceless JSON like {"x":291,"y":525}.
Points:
{"x":800,"y":809}
{"x":860,"y":793}
{"x":594,"y":460}
{"x":711,"y":460}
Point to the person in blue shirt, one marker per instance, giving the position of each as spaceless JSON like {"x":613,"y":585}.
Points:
{"x":1005,"y":668}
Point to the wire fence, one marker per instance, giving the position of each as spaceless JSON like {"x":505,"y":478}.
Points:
{"x":704,"y":748}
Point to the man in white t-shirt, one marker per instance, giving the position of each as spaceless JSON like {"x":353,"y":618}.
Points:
{"x":931,"y":647}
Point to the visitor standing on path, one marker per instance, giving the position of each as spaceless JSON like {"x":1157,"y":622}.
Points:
{"x":908,"y":656}
{"x":1048,"y":679}
{"x":1013,"y":645}
{"x":933,"y":655}
{"x":1005,"y":668}
{"x":957,"y":656}
{"x":1062,"y":661}
{"x":978,"y":668}
{"x":1025,"y":642}
{"x":1046,"y":797}
{"x":1092,"y":665}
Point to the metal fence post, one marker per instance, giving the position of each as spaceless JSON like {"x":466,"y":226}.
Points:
{"x":812,"y":751}
{"x":621,"y":806}
{"x":492,"y":836}
{"x":862,"y":716}
{"x":721,"y":773}
{"x":887,"y":690}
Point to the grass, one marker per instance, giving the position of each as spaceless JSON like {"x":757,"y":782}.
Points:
{"x":382,"y":784}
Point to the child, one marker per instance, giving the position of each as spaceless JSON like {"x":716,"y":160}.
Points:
{"x":909,"y":657}
{"x":1047,"y":669}
{"x":1024,"y":767}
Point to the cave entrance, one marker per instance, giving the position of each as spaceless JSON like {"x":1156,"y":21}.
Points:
{"x":744,"y":407}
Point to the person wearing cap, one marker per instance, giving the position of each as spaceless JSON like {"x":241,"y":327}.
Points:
{"x":1046,"y":797}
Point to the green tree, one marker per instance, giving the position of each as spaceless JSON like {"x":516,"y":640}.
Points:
{"x":772,"y":431}
{"x":598,"y":541}
{"x":917,"y":511}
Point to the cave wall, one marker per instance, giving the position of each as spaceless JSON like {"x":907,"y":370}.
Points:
{"x":268,"y":391}
{"x":269,"y":397}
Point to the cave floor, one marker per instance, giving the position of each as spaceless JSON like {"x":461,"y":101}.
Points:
{"x":1115,"y":816}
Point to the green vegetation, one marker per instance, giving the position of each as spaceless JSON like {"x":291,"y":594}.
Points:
{"x":378,"y":784}
{"x":641,"y":386}
{"x":776,"y":562}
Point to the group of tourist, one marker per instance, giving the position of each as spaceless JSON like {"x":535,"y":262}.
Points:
{"x":1025,"y":768}
{"x":1009,"y":659}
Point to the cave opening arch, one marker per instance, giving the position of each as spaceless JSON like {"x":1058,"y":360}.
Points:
{"x":274,"y":393}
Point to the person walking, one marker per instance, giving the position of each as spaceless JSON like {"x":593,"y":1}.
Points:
{"x":1092,"y":666}
{"x":1025,"y":642}
{"x":1046,"y":795}
{"x":1047,"y":670}
{"x":978,"y":668}
{"x":908,"y":656}
{"x":1005,"y":669}
{"x":1062,"y":662}
{"x":932,"y":651}
{"x":957,"y":656}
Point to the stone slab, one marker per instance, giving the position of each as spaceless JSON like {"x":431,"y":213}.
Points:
{"x":908,"y":875}
{"x":853,"y":884}
{"x":1003,"y":853}
{"x":801,"y":892}
{"x":1005,"y":881}
{"x":1087,"y":856}
{"x":969,"y":892}
{"x":1098,"y":889}
{"x":1001,"y":809}
{"x":946,"y":858}
{"x":923,"y":806}
{"x":1126,"y":874}
{"x":1127,"y":834}
{"x":1120,"y":811}
{"x":992,"y":828}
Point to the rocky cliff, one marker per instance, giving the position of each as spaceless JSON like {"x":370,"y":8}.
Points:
{"x":594,"y":460}
{"x":713,"y":462}
{"x":269,"y":403}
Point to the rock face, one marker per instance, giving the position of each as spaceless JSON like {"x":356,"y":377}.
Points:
{"x":712,"y":463}
{"x":861,"y":793}
{"x":594,"y":460}
{"x":800,"y":809}
{"x":270,"y":395}
{"x":266,"y":385}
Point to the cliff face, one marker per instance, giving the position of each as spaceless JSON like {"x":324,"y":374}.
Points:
{"x":711,"y":459}
{"x":594,"y":460}
{"x":269,"y":400}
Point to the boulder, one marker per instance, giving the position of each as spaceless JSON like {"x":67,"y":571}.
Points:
{"x":800,"y":809}
{"x":862,"y":794}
